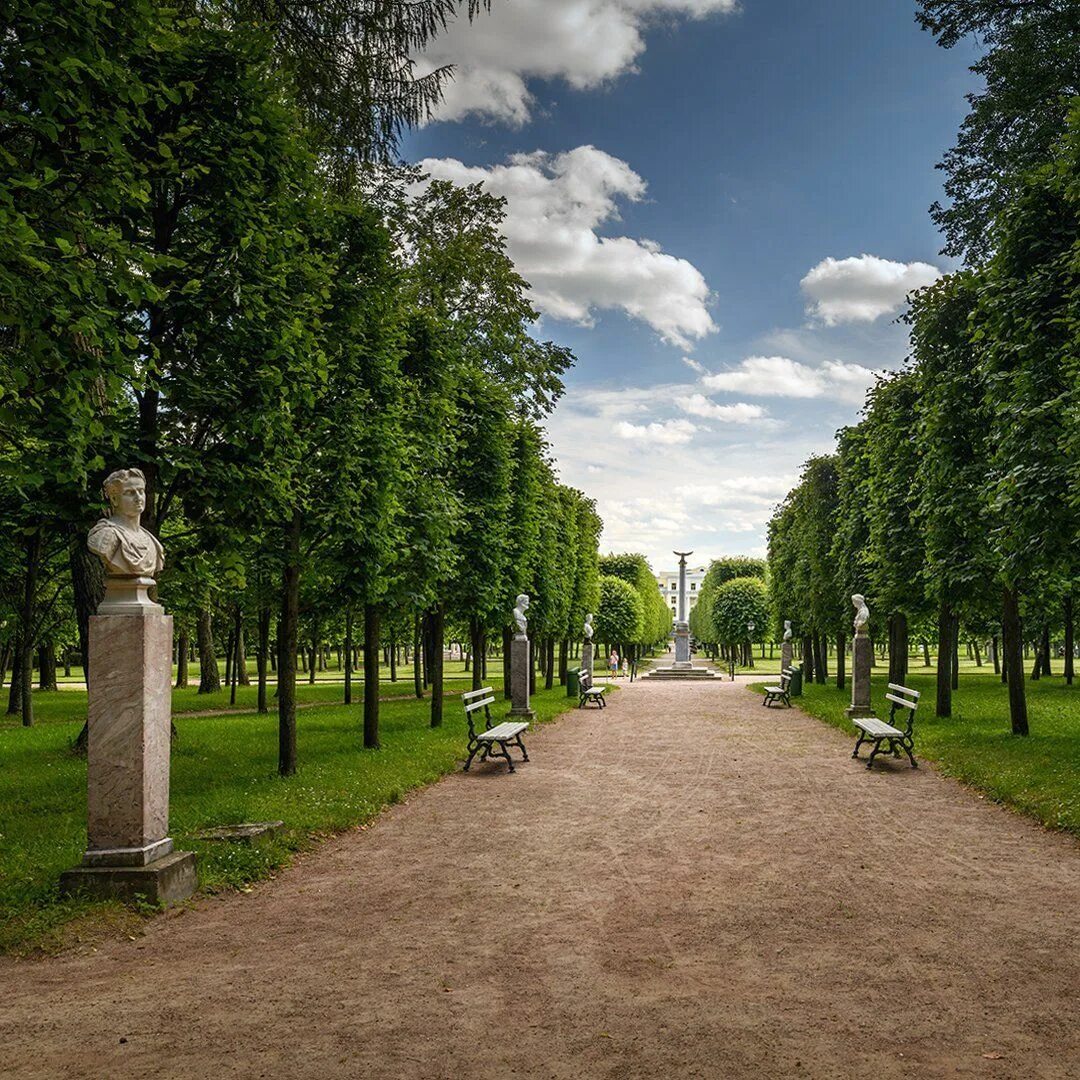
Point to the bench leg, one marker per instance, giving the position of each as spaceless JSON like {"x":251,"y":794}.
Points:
{"x":862,"y":739}
{"x":506,"y":754}
{"x":787,"y":700}
{"x":472,"y":753}
{"x":908,"y":746}
{"x":874,"y":753}
{"x":521,"y":747}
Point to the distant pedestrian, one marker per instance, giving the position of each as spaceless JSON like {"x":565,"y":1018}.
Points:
{"x":625,"y":667}
{"x":613,"y":663}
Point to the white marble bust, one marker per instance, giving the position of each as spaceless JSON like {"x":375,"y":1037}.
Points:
{"x":123,"y":545}
{"x":520,"y":607}
{"x":862,"y":613}
{"x":588,"y":628}
{"x":787,"y":629}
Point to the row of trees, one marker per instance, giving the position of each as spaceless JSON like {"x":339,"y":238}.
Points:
{"x":732,"y":609}
{"x":211,"y":269}
{"x":632,"y":613}
{"x":954,"y":502}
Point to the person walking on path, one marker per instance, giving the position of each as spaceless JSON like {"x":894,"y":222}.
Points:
{"x":613,"y":663}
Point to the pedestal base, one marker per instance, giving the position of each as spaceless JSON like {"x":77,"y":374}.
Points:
{"x":861,"y":658}
{"x":519,"y":678}
{"x":682,"y":644}
{"x":853,"y":712}
{"x":785,"y":655}
{"x":164,"y":881}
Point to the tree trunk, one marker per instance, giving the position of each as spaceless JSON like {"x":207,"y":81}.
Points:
{"x":5,"y":659}
{"x":288,"y":635}
{"x":25,"y":658}
{"x":898,"y":648}
{"x":393,"y":663}
{"x":564,"y":647}
{"x":820,"y":671}
{"x":1047,"y":670}
{"x":476,"y":648}
{"x":995,"y":653}
{"x":88,"y":586}
{"x":1069,"y":642}
{"x":1012,"y":633}
{"x":944,"y":661}
{"x":926,"y":652}
{"x":47,"y":665}
{"x":262,"y":657}
{"x":348,"y":656}
{"x":230,"y":655}
{"x":549,"y":674}
{"x":182,"y":659}
{"x":14,"y":706}
{"x":238,"y":649}
{"x":241,"y":656}
{"x":956,"y":653}
{"x":209,"y":676}
{"x":506,"y":661}
{"x":313,"y":652}
{"x":438,"y":634}
{"x":841,"y":653}
{"x":978,"y":654}
{"x":532,"y":665}
{"x":418,"y":657}
{"x":371,"y":677}
{"x":808,"y":658}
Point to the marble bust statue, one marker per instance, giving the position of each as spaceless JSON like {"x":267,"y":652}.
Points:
{"x":123,"y":545}
{"x":588,"y":628}
{"x":787,"y":629}
{"x":520,"y":607}
{"x":862,"y":613}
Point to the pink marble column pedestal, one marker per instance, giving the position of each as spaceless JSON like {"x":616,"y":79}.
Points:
{"x":129,"y":852}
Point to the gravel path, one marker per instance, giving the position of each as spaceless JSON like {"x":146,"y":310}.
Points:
{"x":682,"y":885}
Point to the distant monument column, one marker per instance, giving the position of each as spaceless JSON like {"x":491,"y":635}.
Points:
{"x":519,"y":662}
{"x":682,"y":627}
{"x":861,"y":660}
{"x":129,"y":852}
{"x":785,"y":648}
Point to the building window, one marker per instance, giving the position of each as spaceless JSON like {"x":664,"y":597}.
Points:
{"x":693,"y":584}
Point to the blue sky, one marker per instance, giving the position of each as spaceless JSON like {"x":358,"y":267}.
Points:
{"x":720,"y":207}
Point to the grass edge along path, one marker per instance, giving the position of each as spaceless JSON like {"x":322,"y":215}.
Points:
{"x":1038,"y":776}
{"x":224,"y":771}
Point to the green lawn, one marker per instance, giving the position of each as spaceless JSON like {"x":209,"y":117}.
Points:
{"x":224,"y":771}
{"x":1038,"y":775}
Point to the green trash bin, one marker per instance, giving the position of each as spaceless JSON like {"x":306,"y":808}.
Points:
{"x":795,"y":686}
{"x":573,"y":684}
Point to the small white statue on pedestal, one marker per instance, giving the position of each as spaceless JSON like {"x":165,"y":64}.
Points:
{"x":520,"y":607}
{"x":862,"y":613}
{"x":787,"y":629}
{"x":588,"y":628}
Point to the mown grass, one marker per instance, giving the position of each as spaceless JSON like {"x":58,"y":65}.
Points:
{"x":1038,"y":775}
{"x":224,"y":771}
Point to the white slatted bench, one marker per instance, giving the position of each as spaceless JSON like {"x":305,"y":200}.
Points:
{"x":888,"y":736}
{"x":502,"y":735}
{"x":781,"y":692}
{"x":587,"y":692}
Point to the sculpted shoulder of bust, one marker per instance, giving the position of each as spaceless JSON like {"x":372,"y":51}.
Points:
{"x":122,"y":544}
{"x":588,"y":627}
{"x":520,"y":607}
{"x":862,"y":613}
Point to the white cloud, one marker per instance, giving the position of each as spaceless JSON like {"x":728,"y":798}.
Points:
{"x":586,"y":43}
{"x":779,"y":376}
{"x":668,"y":433}
{"x":764,"y":490}
{"x":693,"y":365}
{"x":555,"y":205}
{"x":862,"y":288}
{"x":739,"y":413}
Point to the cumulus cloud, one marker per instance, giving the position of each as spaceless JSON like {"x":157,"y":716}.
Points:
{"x":779,"y":376}
{"x":668,"y":433}
{"x":586,"y":43}
{"x":700,"y":405}
{"x":555,"y":205}
{"x":862,"y":288}
{"x":754,"y":490}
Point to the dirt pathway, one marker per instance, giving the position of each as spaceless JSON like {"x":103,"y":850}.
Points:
{"x":682,"y":885}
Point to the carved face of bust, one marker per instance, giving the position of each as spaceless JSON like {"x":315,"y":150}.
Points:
{"x":129,"y":498}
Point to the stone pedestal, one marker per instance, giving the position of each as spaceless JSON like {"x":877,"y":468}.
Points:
{"x":682,"y":646}
{"x":587,"y":656}
{"x":785,"y":655}
{"x":129,"y":852}
{"x":519,"y":677}
{"x":861,"y":659}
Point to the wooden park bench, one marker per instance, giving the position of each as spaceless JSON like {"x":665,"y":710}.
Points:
{"x":781,"y":692}
{"x":587,"y":692}
{"x":501,"y":735}
{"x":888,"y":736}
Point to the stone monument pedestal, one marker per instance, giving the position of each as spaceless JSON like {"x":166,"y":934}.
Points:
{"x":519,"y":677}
{"x":587,"y":657}
{"x":682,"y":647}
{"x":861,"y":659}
{"x":786,"y":655}
{"x":129,"y":853}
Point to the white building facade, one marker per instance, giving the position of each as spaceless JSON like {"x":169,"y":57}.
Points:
{"x":668,"y":581}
